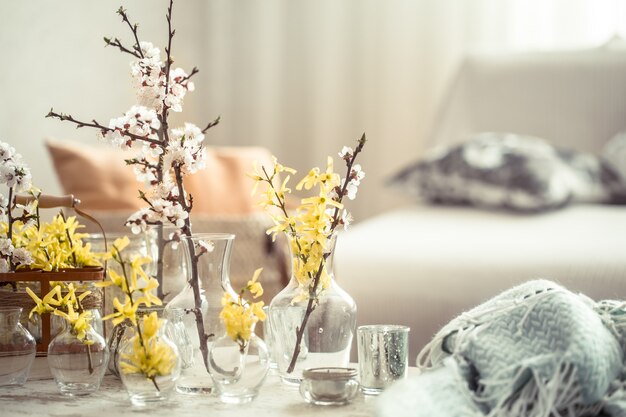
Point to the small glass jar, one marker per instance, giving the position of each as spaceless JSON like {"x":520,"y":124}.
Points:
{"x":142,"y":390}
{"x":77,"y":367}
{"x":329,"y":386}
{"x":17,"y":348}
{"x":238,"y":374}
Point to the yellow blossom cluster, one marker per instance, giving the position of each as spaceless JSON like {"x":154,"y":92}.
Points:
{"x":150,"y":356}
{"x":67,"y":306}
{"x":240,"y":316}
{"x":54,"y":245}
{"x":310,"y":228}
{"x":137,"y":286}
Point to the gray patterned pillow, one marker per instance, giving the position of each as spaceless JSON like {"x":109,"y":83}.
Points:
{"x":508,"y":171}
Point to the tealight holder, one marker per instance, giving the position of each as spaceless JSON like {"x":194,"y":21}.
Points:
{"x":329,"y":386}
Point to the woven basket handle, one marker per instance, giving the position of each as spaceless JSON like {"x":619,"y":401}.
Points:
{"x":68,"y":201}
{"x":49,"y":201}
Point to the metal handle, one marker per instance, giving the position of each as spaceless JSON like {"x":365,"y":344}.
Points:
{"x":49,"y":201}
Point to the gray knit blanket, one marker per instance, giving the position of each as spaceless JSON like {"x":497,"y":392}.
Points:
{"x":536,"y":350}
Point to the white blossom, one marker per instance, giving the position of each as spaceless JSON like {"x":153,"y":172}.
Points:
{"x":22,"y":257}
{"x":4,"y":265}
{"x":179,"y":84}
{"x":138,"y":221}
{"x":138,"y":121}
{"x":346,"y":153}
{"x":6,"y":151}
{"x":185,"y":149}
{"x":205,"y":246}
{"x":6,"y":247}
{"x":149,"y":51}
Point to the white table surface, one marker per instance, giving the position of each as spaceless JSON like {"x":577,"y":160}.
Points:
{"x":40,"y":397}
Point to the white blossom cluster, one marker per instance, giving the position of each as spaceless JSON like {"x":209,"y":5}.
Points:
{"x":16,"y":176}
{"x":18,"y":256}
{"x":149,"y":78}
{"x":159,"y":153}
{"x":356,"y":175}
{"x":13,"y":171}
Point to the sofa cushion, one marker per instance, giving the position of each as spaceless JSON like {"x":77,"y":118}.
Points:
{"x":100,"y":178}
{"x":509,"y":171}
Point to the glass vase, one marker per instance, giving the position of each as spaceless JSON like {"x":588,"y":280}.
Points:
{"x":142,"y":389}
{"x":174,"y":328}
{"x":174,"y":263}
{"x":327,"y":337}
{"x":77,"y":367}
{"x":238,"y":373}
{"x":211,"y":252}
{"x":17,"y":348}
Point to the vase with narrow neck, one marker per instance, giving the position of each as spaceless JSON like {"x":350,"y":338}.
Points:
{"x":77,"y":367}
{"x":330,"y":324}
{"x":174,"y":261}
{"x":209,"y":255}
{"x":17,"y":348}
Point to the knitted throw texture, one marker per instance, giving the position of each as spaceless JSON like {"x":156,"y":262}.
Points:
{"x":536,"y":350}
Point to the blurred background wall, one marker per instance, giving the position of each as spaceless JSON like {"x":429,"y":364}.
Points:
{"x":302,"y":78}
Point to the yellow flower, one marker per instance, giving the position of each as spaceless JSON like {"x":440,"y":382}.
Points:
{"x":124,"y":311}
{"x":148,"y":298}
{"x":153,"y":358}
{"x":254,"y":286}
{"x":310,"y":180}
{"x":80,"y":322}
{"x":151,"y":325}
{"x":47,"y":304}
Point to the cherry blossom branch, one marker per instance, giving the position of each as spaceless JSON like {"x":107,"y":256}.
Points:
{"x":168,"y":65}
{"x":211,"y":124}
{"x":194,"y":281}
{"x":318,"y":275}
{"x":94,"y":124}
{"x":122,"y":12}
{"x":115,"y":42}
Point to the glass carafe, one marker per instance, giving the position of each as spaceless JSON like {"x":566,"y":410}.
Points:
{"x":17,"y":348}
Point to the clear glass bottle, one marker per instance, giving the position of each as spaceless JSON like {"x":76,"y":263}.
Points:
{"x":329,"y":331}
{"x":212,"y":253}
{"x":238,"y":374}
{"x":141,"y":389}
{"x":77,"y":367}
{"x":175,"y":264}
{"x":17,"y":348}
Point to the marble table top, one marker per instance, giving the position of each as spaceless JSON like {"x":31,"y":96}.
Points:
{"x":39,"y":397}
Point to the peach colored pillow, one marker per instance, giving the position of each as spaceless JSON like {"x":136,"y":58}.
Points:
{"x":100,"y":178}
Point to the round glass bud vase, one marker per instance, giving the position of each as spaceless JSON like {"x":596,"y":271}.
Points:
{"x":238,"y":373}
{"x":330,"y":323}
{"x":158,"y":355}
{"x":211,"y":252}
{"x":17,"y":348}
{"x":77,"y":367}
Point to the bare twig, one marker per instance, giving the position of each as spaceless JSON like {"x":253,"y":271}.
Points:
{"x":212,"y":124}
{"x":94,"y":124}
{"x":133,"y":27}
{"x":115,"y":42}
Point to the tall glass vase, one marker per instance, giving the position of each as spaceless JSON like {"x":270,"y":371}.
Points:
{"x":211,"y":252}
{"x":329,"y":329}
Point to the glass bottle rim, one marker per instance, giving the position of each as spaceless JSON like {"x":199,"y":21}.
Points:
{"x":11,"y":309}
{"x":211,"y":236}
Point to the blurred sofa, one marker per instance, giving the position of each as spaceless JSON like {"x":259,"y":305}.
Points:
{"x":222,"y":202}
{"x":424,"y":264}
